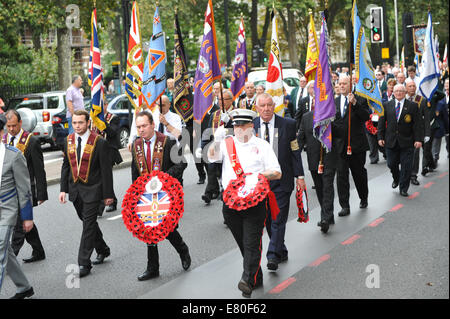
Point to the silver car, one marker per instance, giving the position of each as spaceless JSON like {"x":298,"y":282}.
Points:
{"x":44,"y":106}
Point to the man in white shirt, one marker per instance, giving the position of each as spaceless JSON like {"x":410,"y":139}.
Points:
{"x":299,"y":93}
{"x":254,"y":156}
{"x":169,"y":123}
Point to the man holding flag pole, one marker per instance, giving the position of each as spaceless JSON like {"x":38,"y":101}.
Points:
{"x":353,"y":110}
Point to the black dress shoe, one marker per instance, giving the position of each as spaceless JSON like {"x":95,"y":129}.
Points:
{"x":363,"y":203}
{"x":394,"y":184}
{"x":324,"y":226}
{"x":414,"y":181}
{"x":148,"y":274}
{"x":84,"y":271}
{"x":22,"y":295}
{"x":272,"y":264}
{"x":201,"y":180}
{"x":404,"y":193}
{"x":34,"y":258}
{"x":425,"y":171}
{"x":206,"y":198}
{"x":111,"y":208}
{"x":245,"y":288}
{"x":344,"y":212}
{"x":185,"y":260}
{"x":101,"y":257}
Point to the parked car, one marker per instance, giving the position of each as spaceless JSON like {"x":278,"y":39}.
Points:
{"x":44,"y":106}
{"x":117,"y":105}
{"x":291,"y":78}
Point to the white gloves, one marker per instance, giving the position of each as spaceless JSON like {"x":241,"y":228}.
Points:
{"x":225,"y":117}
{"x":427,"y":139}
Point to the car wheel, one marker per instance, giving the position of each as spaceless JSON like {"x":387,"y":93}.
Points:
{"x":124,"y":135}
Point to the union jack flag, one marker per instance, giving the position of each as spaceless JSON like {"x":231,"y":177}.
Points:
{"x":96,"y":78}
{"x":135,"y":62}
{"x":152,"y":208}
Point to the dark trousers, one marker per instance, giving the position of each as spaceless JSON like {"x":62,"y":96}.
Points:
{"x":32,"y":237}
{"x":276,"y":229}
{"x":91,"y":236}
{"x":374,"y":148}
{"x":325,"y":192}
{"x":428,"y":160}
{"x":152,"y":250}
{"x":247,"y":228}
{"x":355,"y":163}
{"x":214,"y":173}
{"x":201,"y":170}
{"x":404,"y":157}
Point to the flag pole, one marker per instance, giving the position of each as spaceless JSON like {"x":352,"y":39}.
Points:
{"x":349,"y":147}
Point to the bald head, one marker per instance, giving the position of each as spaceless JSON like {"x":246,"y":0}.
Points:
{"x":165,"y":104}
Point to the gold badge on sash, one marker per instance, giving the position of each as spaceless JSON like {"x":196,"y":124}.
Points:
{"x":407,"y":118}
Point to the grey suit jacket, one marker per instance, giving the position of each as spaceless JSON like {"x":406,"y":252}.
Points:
{"x":15,"y":192}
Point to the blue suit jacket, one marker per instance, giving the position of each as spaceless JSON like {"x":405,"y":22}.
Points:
{"x":290,"y":160}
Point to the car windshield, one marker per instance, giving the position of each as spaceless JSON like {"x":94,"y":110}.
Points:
{"x":292,"y":81}
{"x":35,"y":103}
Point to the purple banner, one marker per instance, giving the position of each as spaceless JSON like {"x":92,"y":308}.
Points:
{"x":240,"y":66}
{"x":325,"y":110}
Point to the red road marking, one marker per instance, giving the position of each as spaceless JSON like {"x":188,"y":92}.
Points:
{"x":443,"y":174}
{"x":396,"y":207}
{"x":412,"y":196}
{"x":320,"y":260}
{"x":283,"y":285}
{"x":428,"y":185}
{"x":351,"y":240}
{"x":376,"y":222}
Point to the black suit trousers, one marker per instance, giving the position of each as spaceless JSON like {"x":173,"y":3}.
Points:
{"x":91,"y":236}
{"x":324,"y":184}
{"x":32,"y":237}
{"x":247,"y":228}
{"x":404,"y":157}
{"x":152,"y":250}
{"x":214,"y":173}
{"x":355,"y":163}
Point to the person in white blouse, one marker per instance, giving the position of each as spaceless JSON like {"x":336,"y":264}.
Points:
{"x":255,"y":156}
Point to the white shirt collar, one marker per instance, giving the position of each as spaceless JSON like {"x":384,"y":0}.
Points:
{"x":84,"y":137}
{"x":271,"y":122}
{"x":16,"y":136}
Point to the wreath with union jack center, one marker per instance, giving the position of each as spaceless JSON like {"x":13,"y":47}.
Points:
{"x":167,"y":205}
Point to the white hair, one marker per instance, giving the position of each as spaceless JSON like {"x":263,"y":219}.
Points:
{"x":409,"y":80}
{"x":309,"y":84}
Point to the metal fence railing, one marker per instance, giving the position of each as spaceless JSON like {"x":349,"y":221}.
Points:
{"x":9,"y":91}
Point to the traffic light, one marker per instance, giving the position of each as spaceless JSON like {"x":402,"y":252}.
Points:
{"x":376,"y":25}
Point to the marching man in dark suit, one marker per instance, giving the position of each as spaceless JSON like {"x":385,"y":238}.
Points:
{"x":280,"y":133}
{"x":31,"y":149}
{"x":15,"y":199}
{"x":359,"y":145}
{"x":86,"y":174}
{"x":157,"y":155}
{"x":111,"y":134}
{"x":400,"y":130}
{"x":324,"y":182}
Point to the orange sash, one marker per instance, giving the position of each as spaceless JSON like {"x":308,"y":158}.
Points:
{"x":22,"y":144}
{"x":80,"y":171}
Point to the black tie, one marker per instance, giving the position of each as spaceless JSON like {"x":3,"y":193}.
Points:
{"x":266,"y":133}
{"x":161,"y":128}
{"x":301,"y":93}
{"x":11,"y":143}
{"x":79,"y":149}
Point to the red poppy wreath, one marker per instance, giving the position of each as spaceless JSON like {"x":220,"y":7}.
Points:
{"x":152,"y":206}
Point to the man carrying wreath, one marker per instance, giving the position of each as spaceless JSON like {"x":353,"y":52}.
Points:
{"x":248,"y":164}
{"x":152,"y":151}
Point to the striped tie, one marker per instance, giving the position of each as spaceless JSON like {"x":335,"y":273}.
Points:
{"x":397,"y":110}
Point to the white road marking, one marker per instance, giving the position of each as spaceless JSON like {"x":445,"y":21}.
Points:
{"x":115,"y":217}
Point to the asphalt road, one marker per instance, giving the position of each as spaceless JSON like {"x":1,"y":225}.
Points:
{"x":407,"y":247}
